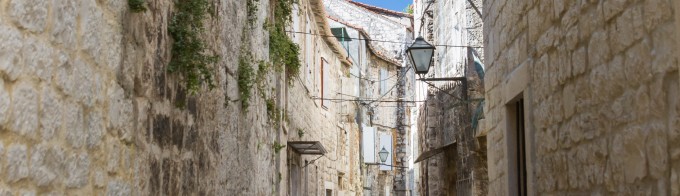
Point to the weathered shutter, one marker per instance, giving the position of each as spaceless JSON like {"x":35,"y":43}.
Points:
{"x":369,"y":144}
{"x":325,"y":83}
{"x":383,"y":81}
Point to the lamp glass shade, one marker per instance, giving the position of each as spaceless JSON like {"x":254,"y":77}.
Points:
{"x":421,"y":54}
{"x":383,"y":155}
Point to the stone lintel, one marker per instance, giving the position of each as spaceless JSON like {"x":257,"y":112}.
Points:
{"x":515,"y":83}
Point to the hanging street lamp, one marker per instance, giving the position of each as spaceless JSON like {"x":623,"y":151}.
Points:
{"x":383,"y":155}
{"x":421,"y":53}
{"x":383,"y":158}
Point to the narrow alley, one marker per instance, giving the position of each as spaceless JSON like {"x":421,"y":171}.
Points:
{"x":339,"y":97}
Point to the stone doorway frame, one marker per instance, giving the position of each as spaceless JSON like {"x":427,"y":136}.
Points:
{"x":516,"y":86}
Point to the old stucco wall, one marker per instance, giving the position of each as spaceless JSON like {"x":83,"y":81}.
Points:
{"x":600,"y":83}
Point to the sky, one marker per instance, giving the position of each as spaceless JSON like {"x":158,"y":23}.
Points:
{"x":396,"y":5}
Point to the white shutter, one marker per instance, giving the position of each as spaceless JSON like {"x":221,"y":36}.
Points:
{"x":369,"y":144}
{"x":326,"y":83}
{"x":383,"y":81}
{"x":386,"y":142}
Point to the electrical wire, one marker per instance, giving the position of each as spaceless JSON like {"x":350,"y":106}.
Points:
{"x":383,"y":106}
{"x":312,"y":162}
{"x":393,"y":106}
{"x":373,"y":80}
{"x":442,"y":90}
{"x":335,"y":100}
{"x":386,"y":41}
{"x":453,"y":96}
{"x":395,"y":85}
{"x":422,"y":17}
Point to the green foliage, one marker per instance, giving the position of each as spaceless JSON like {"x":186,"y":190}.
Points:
{"x":251,"y":6}
{"x":283,"y":52}
{"x":180,"y":104}
{"x":277,"y":147}
{"x":409,"y":9}
{"x":245,"y":79}
{"x":285,"y":117}
{"x":283,"y":11}
{"x":262,"y":71}
{"x":301,"y":133}
{"x":273,"y":112}
{"x":137,"y":5}
{"x":188,"y":51}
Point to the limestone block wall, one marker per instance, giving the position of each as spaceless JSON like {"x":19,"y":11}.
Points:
{"x":450,"y":27}
{"x":455,"y":23}
{"x":431,"y":176}
{"x":600,"y":84}
{"x":87,"y":106}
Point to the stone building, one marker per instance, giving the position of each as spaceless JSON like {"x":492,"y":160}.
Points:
{"x":378,"y":41}
{"x":450,"y":159}
{"x":451,"y":156}
{"x":316,"y":115}
{"x":451,"y":23}
{"x":582,"y":97}
{"x":88,"y":107}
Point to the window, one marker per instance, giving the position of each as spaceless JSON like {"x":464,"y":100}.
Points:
{"x":517,"y":148}
{"x":325,"y":82}
{"x":340,"y":185}
{"x":329,"y":192}
{"x":384,"y":74}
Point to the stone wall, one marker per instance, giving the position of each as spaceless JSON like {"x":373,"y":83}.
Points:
{"x":432,"y":176}
{"x":600,"y":84}
{"x":457,"y":165}
{"x":87,"y":106}
{"x":455,"y":28}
